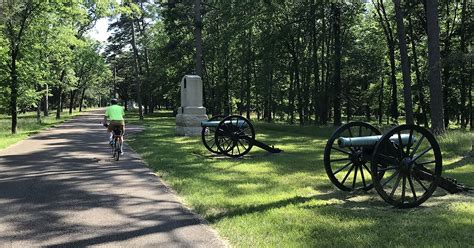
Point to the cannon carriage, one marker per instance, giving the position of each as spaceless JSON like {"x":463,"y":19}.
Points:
{"x":233,"y":136}
{"x":404,"y":165}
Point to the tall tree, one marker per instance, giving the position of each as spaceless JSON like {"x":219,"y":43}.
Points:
{"x":402,"y":44}
{"x":384,"y":21}
{"x":198,"y":36}
{"x":434,"y":77}
{"x":17,"y":16}
{"x":337,"y":64}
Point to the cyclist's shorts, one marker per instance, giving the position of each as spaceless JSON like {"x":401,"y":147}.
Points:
{"x":116,"y":124}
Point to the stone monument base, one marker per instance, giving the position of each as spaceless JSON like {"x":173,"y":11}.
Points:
{"x":188,"y":121}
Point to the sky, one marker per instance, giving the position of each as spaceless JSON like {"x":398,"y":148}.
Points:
{"x":99,"y":32}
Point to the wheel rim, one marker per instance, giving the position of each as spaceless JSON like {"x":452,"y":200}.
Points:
{"x":348,"y":168}
{"x":208,"y":135}
{"x":234,"y":136}
{"x":406,"y":174}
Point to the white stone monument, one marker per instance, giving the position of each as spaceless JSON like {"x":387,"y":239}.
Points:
{"x":191,"y":112}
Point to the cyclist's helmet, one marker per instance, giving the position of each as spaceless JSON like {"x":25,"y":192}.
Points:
{"x":114,"y":101}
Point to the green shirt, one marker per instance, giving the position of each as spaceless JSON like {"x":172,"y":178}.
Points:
{"x":114,"y":113}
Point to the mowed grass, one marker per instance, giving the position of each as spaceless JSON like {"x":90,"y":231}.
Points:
{"x":287,"y":200}
{"x":28,"y":125}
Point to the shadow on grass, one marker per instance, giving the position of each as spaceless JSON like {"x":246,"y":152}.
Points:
{"x":282,"y":189}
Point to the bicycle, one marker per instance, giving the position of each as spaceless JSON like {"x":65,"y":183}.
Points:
{"x":116,"y":142}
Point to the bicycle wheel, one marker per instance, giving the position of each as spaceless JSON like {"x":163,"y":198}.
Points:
{"x":113,"y":148}
{"x":118,"y":149}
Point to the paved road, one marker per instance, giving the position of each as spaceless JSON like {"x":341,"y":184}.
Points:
{"x":61,"y":189}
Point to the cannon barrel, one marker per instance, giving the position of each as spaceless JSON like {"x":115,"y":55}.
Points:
{"x":372,"y":140}
{"x":216,"y":123}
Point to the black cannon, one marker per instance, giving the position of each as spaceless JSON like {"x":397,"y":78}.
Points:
{"x":405,"y":163}
{"x":233,"y":136}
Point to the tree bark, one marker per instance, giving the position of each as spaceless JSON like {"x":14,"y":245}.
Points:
{"x":82,"y":99}
{"x":436,"y":94}
{"x":198,"y":36}
{"x":46,"y":101}
{"x":337,"y":65}
{"x":71,"y":101}
{"x":387,"y":28}
{"x":405,"y":63}
{"x":422,"y":111}
{"x":14,"y":92}
{"x":464,"y":114}
{"x":380,"y":110}
{"x":137,"y":72}
{"x":60,"y":95}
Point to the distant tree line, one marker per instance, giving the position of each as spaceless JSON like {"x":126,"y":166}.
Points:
{"x":46,"y":61}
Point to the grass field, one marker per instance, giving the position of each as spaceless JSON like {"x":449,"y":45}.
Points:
{"x":27,"y":126}
{"x":286,"y":200}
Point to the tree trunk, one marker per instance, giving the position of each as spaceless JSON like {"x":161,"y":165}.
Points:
{"x":436,"y":94}
{"x":82,"y":99}
{"x":291,"y":95}
{"x":38,"y":112}
{"x":405,"y":63}
{"x":14,"y":92}
{"x":198,"y":36}
{"x":387,"y":28}
{"x":337,"y":65}
{"x":137,"y":72}
{"x":422,"y":111}
{"x":446,"y":74}
{"x":60,"y":95}
{"x":46,"y":101}
{"x":71,"y":101}
{"x":464,"y":114}
{"x":380,"y":110}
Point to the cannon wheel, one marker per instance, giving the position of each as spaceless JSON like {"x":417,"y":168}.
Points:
{"x":234,"y":136}
{"x":344,"y":166}
{"x":411,"y":171}
{"x":208,"y":135}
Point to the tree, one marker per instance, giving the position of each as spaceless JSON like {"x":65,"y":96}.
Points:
{"x":198,"y":36}
{"x":434,"y":78}
{"x":388,"y":31}
{"x":17,"y":17}
{"x":405,"y":63}
{"x":337,"y":65}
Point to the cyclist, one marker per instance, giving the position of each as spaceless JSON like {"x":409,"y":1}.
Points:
{"x":115,"y":113}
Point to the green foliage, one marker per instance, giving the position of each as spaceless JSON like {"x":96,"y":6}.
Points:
{"x":48,"y":45}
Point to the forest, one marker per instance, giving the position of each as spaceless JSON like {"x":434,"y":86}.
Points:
{"x":305,"y":62}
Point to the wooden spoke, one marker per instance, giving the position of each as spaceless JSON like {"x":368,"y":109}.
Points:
{"x":410,"y":137}
{"x":242,"y":145}
{"x":350,"y":132}
{"x":400,"y":145}
{"x":389,"y":168}
{"x":422,"y":153}
{"x":412,"y":188}
{"x":389,"y":158}
{"x":419,"y":182}
{"x":362,"y":175}
{"x":340,"y":150}
{"x":339,"y":159}
{"x":342,"y":168}
{"x":238,"y":149}
{"x":347,"y":174}
{"x":390,"y":178}
{"x":416,"y":147}
{"x":355,"y":177}
{"x":404,"y":183}
{"x":396,"y":185}
{"x":426,"y":162}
